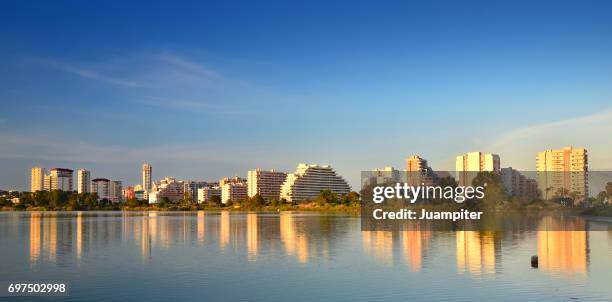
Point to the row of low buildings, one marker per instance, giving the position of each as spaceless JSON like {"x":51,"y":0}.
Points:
{"x":305,"y":184}
{"x":557,"y":172}
{"x":62,"y":179}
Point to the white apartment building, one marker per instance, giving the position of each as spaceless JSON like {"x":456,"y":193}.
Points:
{"x":205,"y":194}
{"x":467,"y":166}
{"x":83,"y":181}
{"x":169,"y":188}
{"x":37,"y":179}
{"x":60,"y":179}
{"x":265,"y":183}
{"x":565,"y":169}
{"x":307,"y":182}
{"x":418,"y":171}
{"x":115,"y":191}
{"x":385,"y":175}
{"x":101,"y":186}
{"x":233,"y":191}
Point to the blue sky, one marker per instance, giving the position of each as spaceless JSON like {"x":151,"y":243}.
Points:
{"x":203,"y":90}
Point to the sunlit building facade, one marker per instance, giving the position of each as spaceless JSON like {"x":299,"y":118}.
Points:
{"x":418,"y":171}
{"x":60,"y":179}
{"x":169,"y":188}
{"x":467,"y":166}
{"x":206,"y":194}
{"x":233,"y":191}
{"x":101,"y":186}
{"x":265,"y":183}
{"x":563,"y":172}
{"x":83,"y":181}
{"x":307,"y":182}
{"x":37,"y":179}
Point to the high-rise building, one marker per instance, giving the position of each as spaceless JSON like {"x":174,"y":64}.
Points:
{"x":518,"y":185}
{"x":234,"y":179}
{"x":385,"y":175}
{"x":191,"y":187}
{"x":265,"y":183}
{"x":115,"y":191}
{"x":418,"y":171}
{"x":205,"y":194}
{"x":60,"y":179}
{"x":37,"y":179}
{"x":234,"y":191}
{"x":467,"y":166}
{"x":307,"y":182}
{"x":83,"y":181}
{"x":47,"y":182}
{"x":147,"y":183}
{"x":101,"y":186}
{"x":416,"y":163}
{"x":563,"y":172}
{"x":169,"y":188}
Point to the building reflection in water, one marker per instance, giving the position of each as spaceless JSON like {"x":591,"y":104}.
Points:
{"x":35,"y":237}
{"x":476,"y":252}
{"x":201,"y":227}
{"x":50,"y":236}
{"x":79,"y":235}
{"x":415,"y":243}
{"x":379,"y":244}
{"x":224,"y":229}
{"x":252,"y":236}
{"x":145,"y":240}
{"x":294,"y":240}
{"x":563,"y":252}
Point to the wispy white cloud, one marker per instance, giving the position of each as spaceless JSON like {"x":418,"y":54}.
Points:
{"x":190,"y":66}
{"x":531,"y":131}
{"x":92,"y":74}
{"x":200,"y":106}
{"x":518,"y":147}
{"x":40,"y":147}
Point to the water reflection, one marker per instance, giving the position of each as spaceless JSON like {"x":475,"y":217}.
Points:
{"x":415,"y":244}
{"x":476,"y":252}
{"x":60,"y":237}
{"x":252,"y":235}
{"x":34,"y":237}
{"x":79,"y":235}
{"x":379,"y":244}
{"x":563,"y":252}
{"x":295,"y":241}
{"x":201,"y":227}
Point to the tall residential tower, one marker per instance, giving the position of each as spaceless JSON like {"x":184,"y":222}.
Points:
{"x":563,"y":172}
{"x":83,"y":181}
{"x":37,"y":180}
{"x":467,"y":166}
{"x":265,"y":183}
{"x":147,"y":183}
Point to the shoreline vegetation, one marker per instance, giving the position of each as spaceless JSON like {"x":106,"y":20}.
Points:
{"x":327,"y":202}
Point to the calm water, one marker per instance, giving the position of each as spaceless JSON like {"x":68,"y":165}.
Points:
{"x":295,"y":256}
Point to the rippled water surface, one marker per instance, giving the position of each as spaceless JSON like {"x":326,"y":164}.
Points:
{"x":155,"y":256}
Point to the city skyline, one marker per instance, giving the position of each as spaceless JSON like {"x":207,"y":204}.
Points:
{"x":271,"y":90}
{"x":565,"y":159}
